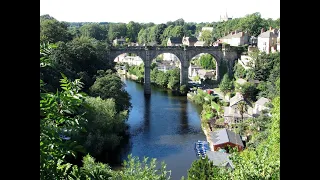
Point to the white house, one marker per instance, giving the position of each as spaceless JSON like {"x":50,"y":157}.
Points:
{"x":232,"y":114}
{"x":267,"y":41}
{"x":235,"y":38}
{"x":260,"y":105}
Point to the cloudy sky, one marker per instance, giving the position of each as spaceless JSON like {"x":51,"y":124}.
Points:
{"x":159,"y":11}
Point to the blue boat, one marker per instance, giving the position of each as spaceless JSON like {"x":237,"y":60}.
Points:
{"x":201,"y":147}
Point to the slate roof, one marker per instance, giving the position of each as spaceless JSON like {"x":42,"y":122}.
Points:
{"x":236,"y":35}
{"x":176,"y":40}
{"x":191,"y":39}
{"x":262,"y":101}
{"x":269,"y":34}
{"x":229,"y":112}
{"x":224,"y":136}
{"x":200,"y":43}
{"x":220,"y":159}
{"x":235,"y":99}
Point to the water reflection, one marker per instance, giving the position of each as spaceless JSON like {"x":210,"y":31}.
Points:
{"x":162,"y":126}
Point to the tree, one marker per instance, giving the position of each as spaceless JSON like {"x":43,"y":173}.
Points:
{"x":226,"y":84}
{"x":109,"y":85}
{"x":94,"y":30}
{"x":206,"y":36}
{"x":202,"y":169}
{"x":174,"y":78}
{"x":207,"y":62}
{"x":134,"y":169}
{"x":58,"y":112}
{"x":133,"y":29}
{"x":53,"y":31}
{"x":117,"y":31}
{"x":177,"y":31}
{"x":105,"y":125}
{"x":242,"y":107}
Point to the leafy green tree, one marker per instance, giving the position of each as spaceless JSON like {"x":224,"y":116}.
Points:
{"x":206,"y":36}
{"x":242,"y":107}
{"x":58,"y":112}
{"x":105,"y":125}
{"x":174,"y":78}
{"x":202,"y":169}
{"x":239,"y":71}
{"x":109,"y":85}
{"x":94,"y":30}
{"x":226,"y":84}
{"x":207,"y":61}
{"x":133,"y":29}
{"x":134,"y":169}
{"x":162,"y":79}
{"x":248,"y":90}
{"x":117,"y":30}
{"x":52,"y":31}
{"x":177,"y":31}
{"x":158,"y":32}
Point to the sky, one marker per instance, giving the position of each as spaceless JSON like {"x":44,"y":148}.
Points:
{"x":160,"y":11}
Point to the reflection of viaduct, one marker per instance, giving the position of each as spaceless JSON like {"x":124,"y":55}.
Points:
{"x":224,"y":56}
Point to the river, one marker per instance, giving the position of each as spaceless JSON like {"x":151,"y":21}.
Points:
{"x":163,"y":126}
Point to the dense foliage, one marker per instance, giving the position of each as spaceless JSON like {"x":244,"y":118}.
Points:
{"x":69,"y":115}
{"x":73,"y":122}
{"x":206,"y":61}
{"x":266,"y":69}
{"x":109,"y":85}
{"x":226,"y":84}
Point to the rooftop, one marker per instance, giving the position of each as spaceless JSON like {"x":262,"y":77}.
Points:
{"x":262,"y":101}
{"x":220,"y":158}
{"x":224,"y":136}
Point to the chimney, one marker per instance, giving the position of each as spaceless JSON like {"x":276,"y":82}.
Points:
{"x":262,"y":30}
{"x":270,"y":28}
{"x":242,"y":34}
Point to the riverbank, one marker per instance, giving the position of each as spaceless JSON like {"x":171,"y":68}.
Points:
{"x":205,"y":128}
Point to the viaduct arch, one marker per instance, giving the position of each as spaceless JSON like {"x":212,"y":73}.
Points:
{"x":225,"y":58}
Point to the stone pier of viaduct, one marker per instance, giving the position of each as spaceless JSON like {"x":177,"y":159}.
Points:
{"x":225,"y":58}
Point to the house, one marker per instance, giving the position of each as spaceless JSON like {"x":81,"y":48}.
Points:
{"x":192,"y":70}
{"x":174,"y":41}
{"x":170,"y":57}
{"x":189,"y":41}
{"x":260,"y":105}
{"x":267,"y":41}
{"x":232,"y":114}
{"x":120,"y":41}
{"x":206,"y":74}
{"x":235,"y":38}
{"x":131,"y":60}
{"x":224,"y":137}
{"x":200,"y":43}
{"x":165,"y":65}
{"x":120,"y":58}
{"x":220,"y":159}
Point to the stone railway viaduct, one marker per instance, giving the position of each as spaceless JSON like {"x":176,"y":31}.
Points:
{"x":225,"y":57}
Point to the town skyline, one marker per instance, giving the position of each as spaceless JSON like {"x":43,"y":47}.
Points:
{"x":143,"y":11}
